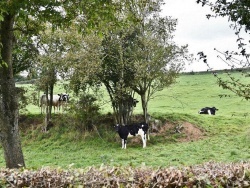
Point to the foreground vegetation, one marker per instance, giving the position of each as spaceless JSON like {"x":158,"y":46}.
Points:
{"x":207,"y":175}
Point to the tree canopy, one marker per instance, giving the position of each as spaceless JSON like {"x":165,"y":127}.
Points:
{"x":19,"y":22}
{"x":124,"y":45}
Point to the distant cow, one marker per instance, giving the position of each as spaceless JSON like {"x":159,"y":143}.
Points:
{"x":64,"y":99}
{"x":126,"y":100}
{"x":126,"y":131}
{"x":208,"y":110}
{"x":58,"y":100}
{"x":131,"y":101}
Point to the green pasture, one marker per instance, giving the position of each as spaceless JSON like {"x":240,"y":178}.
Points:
{"x":188,"y":95}
{"x":227,"y":135}
{"x":192,"y":92}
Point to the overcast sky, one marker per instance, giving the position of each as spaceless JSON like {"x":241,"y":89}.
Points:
{"x":199,"y":33}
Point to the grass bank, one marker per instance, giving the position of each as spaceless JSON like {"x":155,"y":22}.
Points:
{"x":226,"y":135}
{"x":225,"y":140}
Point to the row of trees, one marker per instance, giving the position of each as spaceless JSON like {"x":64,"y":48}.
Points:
{"x":138,"y":56}
{"x":125,"y":45}
{"x":20,"y":22}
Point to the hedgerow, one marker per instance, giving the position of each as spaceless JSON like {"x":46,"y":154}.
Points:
{"x":211,"y":174}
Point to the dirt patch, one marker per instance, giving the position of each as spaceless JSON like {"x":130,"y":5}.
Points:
{"x":187,"y":132}
{"x":191,"y":132}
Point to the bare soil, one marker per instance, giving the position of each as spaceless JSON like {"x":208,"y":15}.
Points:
{"x":187,"y":131}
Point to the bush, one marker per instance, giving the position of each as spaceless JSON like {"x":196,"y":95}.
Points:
{"x":86,"y":113}
{"x":206,"y":175}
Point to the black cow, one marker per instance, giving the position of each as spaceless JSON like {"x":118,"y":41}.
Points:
{"x":126,"y":131}
{"x":131,"y":101}
{"x":208,"y":110}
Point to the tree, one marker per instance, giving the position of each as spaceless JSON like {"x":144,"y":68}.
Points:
{"x":82,"y":60}
{"x":52,"y":47}
{"x":238,"y":13}
{"x":33,"y":14}
{"x":10,"y":138}
{"x":157,"y":60}
{"x":24,"y":54}
{"x":117,"y":74}
{"x":139,"y":57}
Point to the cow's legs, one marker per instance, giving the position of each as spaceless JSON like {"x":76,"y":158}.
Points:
{"x":43,"y":109}
{"x":144,"y":140}
{"x":123,"y":143}
{"x":58,"y":107}
{"x":209,"y":112}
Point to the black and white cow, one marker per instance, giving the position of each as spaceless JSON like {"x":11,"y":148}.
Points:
{"x":208,"y":110}
{"x":136,"y":129}
{"x":64,"y":99}
{"x":58,"y":101}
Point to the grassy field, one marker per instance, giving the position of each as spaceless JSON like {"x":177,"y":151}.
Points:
{"x":188,"y":96}
{"x":192,"y":92}
{"x":227,"y":135}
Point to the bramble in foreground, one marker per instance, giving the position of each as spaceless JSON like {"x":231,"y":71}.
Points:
{"x":208,"y":174}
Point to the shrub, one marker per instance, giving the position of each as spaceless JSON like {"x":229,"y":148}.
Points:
{"x":86,"y":113}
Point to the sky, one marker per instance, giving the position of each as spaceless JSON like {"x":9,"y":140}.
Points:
{"x":200,"y":33}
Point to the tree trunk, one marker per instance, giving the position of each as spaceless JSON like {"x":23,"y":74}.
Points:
{"x":47,"y":114}
{"x":9,"y":132}
{"x":144,"y":107}
{"x":51,"y":88}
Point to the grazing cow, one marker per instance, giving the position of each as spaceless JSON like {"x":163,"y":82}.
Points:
{"x":208,"y":110}
{"x":126,"y":131}
{"x":58,"y":100}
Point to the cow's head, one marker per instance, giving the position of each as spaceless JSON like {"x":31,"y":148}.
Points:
{"x":116,"y":127}
{"x":135,"y":102}
{"x":215,"y":108}
{"x":63,"y":97}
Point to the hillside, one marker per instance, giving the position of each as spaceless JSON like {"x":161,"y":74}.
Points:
{"x":188,"y":95}
{"x":223,"y":137}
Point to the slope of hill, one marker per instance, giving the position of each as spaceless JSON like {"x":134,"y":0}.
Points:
{"x":225,"y":138}
{"x":193,"y":92}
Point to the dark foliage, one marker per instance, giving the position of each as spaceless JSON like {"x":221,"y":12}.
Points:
{"x":86,"y":113}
